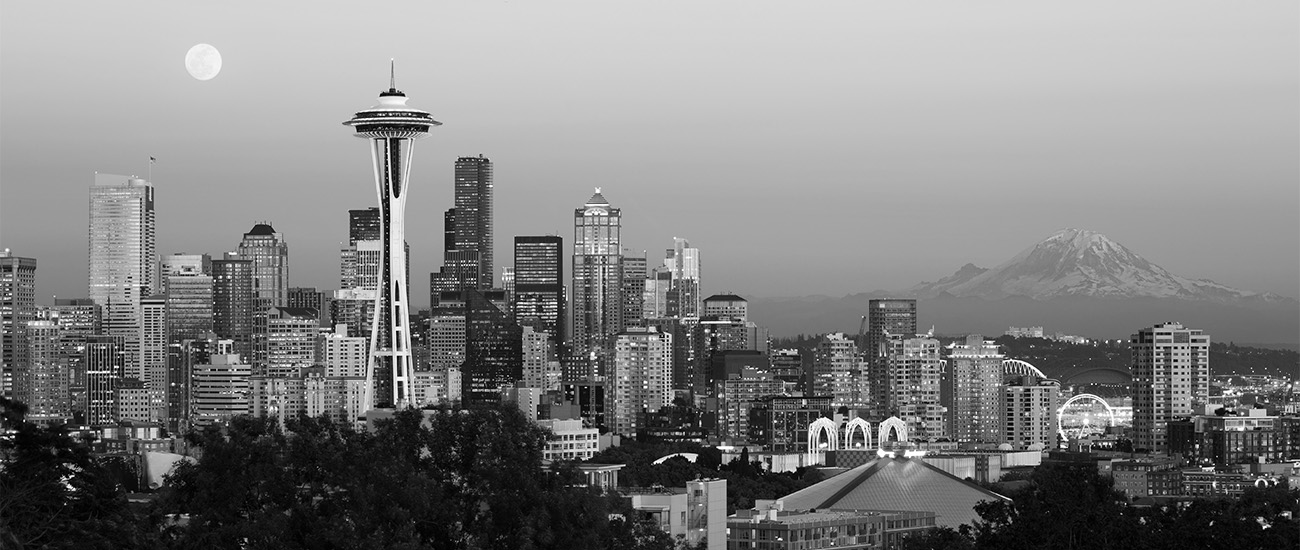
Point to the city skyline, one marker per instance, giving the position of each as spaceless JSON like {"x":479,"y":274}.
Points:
{"x":953,"y":112}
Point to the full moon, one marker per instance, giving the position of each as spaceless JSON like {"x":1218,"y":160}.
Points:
{"x":203,"y":62}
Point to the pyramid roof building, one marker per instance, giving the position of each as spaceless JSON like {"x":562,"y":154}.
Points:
{"x":896,"y":484}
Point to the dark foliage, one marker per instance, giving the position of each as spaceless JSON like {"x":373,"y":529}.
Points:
{"x":55,"y":494}
{"x":1073,"y":507}
{"x":449,"y":480}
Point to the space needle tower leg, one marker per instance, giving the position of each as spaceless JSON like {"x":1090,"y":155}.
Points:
{"x":392,"y":128}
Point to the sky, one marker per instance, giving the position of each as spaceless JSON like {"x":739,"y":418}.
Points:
{"x":804,"y":147}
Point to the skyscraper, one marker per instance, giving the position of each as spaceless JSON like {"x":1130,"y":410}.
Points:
{"x":915,"y":369}
{"x":232,"y":305}
{"x":597,"y":286}
{"x":391,"y":128}
{"x":538,"y":300}
{"x":1171,"y":378}
{"x":641,"y":378}
{"x":836,"y":373}
{"x":467,"y":260}
{"x":363,"y":225}
{"x":683,"y":262}
{"x":190,"y":310}
{"x":884,"y":317}
{"x":634,"y":279}
{"x":291,"y":340}
{"x":270,"y":255}
{"x":122,"y":258}
{"x":17,"y":308}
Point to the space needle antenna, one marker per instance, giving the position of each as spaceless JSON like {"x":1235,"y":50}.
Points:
{"x":392,"y":74}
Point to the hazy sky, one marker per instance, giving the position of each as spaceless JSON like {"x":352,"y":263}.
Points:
{"x":804,"y":147}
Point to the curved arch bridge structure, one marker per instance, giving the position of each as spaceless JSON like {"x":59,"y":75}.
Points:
{"x":825,"y":434}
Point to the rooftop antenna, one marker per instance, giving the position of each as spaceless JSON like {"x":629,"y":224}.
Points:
{"x":392,"y":74}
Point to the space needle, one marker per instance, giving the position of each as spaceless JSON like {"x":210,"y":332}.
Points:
{"x":391,"y":127}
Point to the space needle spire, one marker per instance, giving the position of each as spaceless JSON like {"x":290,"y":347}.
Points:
{"x":392,"y":127}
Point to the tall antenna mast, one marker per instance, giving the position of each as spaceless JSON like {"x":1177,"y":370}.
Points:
{"x":392,"y":74}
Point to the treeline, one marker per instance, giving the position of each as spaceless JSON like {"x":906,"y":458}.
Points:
{"x":1073,"y":506}
{"x":449,"y":480}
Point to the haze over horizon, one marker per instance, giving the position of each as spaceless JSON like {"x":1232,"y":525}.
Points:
{"x":883,"y":144}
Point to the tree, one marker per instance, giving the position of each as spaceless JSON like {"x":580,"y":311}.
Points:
{"x":424,"y":479}
{"x":55,"y":494}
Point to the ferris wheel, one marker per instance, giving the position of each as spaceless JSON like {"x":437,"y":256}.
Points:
{"x":1084,"y":415}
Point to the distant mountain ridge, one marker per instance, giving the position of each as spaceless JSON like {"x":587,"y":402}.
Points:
{"x":1076,"y":262}
{"x":1075,"y":281}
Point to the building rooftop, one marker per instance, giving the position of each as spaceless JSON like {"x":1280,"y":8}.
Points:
{"x":261,"y":229}
{"x":725,"y":298}
{"x":896,"y":484}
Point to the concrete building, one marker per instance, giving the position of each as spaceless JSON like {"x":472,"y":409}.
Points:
{"x":740,"y":395}
{"x":1171,"y":379}
{"x":17,"y":308}
{"x":821,"y":528}
{"x":122,"y":257}
{"x":309,"y":297}
{"x":571,"y":441}
{"x":1228,"y":440}
{"x":780,"y":424}
{"x":221,"y":387}
{"x":181,"y":263}
{"x":642,"y":379}
{"x":1029,"y":409}
{"x":696,"y":513}
{"x":290,"y":340}
{"x":342,"y":355}
{"x":884,"y":317}
{"x":541,"y":366}
{"x":726,"y":305}
{"x":838,"y":373}
{"x":154,"y":352}
{"x":975,"y":411}
{"x":915,"y":367}
{"x":43,"y":384}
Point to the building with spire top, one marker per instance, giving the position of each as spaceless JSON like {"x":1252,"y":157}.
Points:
{"x":597,"y":288}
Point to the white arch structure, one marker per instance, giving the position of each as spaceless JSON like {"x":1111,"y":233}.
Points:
{"x":692,"y":457}
{"x":1021,"y":368}
{"x":857,"y":425}
{"x":819,"y":426}
{"x":891,"y":423}
{"x":1060,"y":413}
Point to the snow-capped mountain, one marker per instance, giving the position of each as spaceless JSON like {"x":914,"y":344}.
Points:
{"x":1077,"y":263}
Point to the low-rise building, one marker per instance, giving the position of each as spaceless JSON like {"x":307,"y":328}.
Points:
{"x":845,"y":529}
{"x":571,"y":440}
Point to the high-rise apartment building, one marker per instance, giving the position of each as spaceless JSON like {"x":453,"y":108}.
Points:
{"x":538,"y":297}
{"x":122,"y":258}
{"x":342,"y":355}
{"x":291,"y":341}
{"x":913,"y":395}
{"x":17,"y":308}
{"x":975,"y":412}
{"x":884,"y":317}
{"x":1171,"y":378}
{"x":541,"y":365}
{"x":391,"y":128}
{"x":153,"y":346}
{"x":597,"y":287}
{"x":233,"y":305}
{"x":1029,"y":407}
{"x":837,"y":372}
{"x":641,"y":379}
{"x":44,"y":382}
